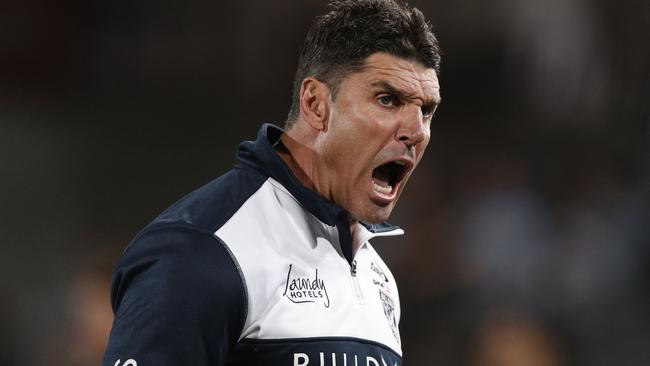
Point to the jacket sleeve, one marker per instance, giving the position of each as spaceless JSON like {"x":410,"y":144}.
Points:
{"x":178,"y":299}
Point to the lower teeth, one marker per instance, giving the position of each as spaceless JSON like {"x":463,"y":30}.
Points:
{"x":382,"y":189}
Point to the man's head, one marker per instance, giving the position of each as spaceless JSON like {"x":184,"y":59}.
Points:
{"x":339,"y":42}
{"x":367,"y":90}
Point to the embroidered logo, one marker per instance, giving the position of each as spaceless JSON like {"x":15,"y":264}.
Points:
{"x":385,"y":298}
{"x":389,"y":311}
{"x":375,"y":268}
{"x":300,"y":290}
{"x":382,"y":280}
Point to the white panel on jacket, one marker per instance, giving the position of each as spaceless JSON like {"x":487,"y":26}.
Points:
{"x":299,"y":284}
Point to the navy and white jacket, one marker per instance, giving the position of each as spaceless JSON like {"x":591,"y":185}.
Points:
{"x":254,"y":269}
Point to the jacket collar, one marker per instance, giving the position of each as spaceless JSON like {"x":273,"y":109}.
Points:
{"x":262,"y":157}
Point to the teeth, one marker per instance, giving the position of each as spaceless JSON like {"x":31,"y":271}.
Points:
{"x":382,"y":189}
{"x":400,"y":163}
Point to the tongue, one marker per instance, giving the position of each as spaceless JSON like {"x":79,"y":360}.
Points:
{"x":381,"y":175}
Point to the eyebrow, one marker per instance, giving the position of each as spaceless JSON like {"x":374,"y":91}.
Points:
{"x":402,"y":94}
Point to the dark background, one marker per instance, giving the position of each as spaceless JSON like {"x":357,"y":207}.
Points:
{"x":527,"y":220}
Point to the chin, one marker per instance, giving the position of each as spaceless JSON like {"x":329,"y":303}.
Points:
{"x":377,"y":215}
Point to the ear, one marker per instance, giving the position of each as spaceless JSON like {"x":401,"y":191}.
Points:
{"x":315,"y":103}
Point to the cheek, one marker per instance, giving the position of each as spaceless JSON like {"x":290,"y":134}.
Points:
{"x":339,"y":154}
{"x":363,"y":116}
{"x":352,"y":138}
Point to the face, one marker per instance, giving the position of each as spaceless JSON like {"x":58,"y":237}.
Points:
{"x":377,"y":131}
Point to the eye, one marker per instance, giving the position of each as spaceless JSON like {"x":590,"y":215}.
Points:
{"x":387,"y":100}
{"x":427,"y":111}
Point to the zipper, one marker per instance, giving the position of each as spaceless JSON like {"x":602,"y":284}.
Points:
{"x":355,"y":280}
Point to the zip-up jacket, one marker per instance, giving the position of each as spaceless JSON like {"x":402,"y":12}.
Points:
{"x":254,"y":269}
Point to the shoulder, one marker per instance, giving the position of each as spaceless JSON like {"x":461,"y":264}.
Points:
{"x":176,"y":261}
{"x":210,"y":206}
{"x":179,"y":252}
{"x":176,"y":287}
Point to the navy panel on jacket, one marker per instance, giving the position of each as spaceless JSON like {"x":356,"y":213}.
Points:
{"x":324,"y":351}
{"x":177,"y":294}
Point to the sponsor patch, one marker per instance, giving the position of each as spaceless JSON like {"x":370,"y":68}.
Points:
{"x":305,"y":289}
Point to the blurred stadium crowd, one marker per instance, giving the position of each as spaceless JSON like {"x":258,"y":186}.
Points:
{"x":528,"y":240}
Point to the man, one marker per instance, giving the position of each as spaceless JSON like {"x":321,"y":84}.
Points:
{"x":270,"y":263}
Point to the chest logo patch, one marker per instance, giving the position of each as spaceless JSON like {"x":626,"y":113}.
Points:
{"x":386,"y":298}
{"x":389,"y":311}
{"x":305,"y":289}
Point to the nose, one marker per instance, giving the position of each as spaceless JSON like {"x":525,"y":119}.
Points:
{"x":411,"y":129}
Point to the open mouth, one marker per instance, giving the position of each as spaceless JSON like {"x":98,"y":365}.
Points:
{"x":387,"y":177}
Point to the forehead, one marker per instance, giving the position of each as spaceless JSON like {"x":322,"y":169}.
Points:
{"x":410,"y":77}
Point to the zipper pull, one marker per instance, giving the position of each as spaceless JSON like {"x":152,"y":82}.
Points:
{"x":353,"y":268}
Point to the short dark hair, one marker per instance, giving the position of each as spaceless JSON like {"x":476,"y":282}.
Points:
{"x":339,"y":42}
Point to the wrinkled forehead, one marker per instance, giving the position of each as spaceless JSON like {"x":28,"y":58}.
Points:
{"x":410,"y":77}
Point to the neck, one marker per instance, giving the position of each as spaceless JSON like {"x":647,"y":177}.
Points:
{"x":303,"y":160}
{"x":299,"y":158}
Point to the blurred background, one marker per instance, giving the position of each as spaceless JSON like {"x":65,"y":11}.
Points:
{"x":527,"y":222}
